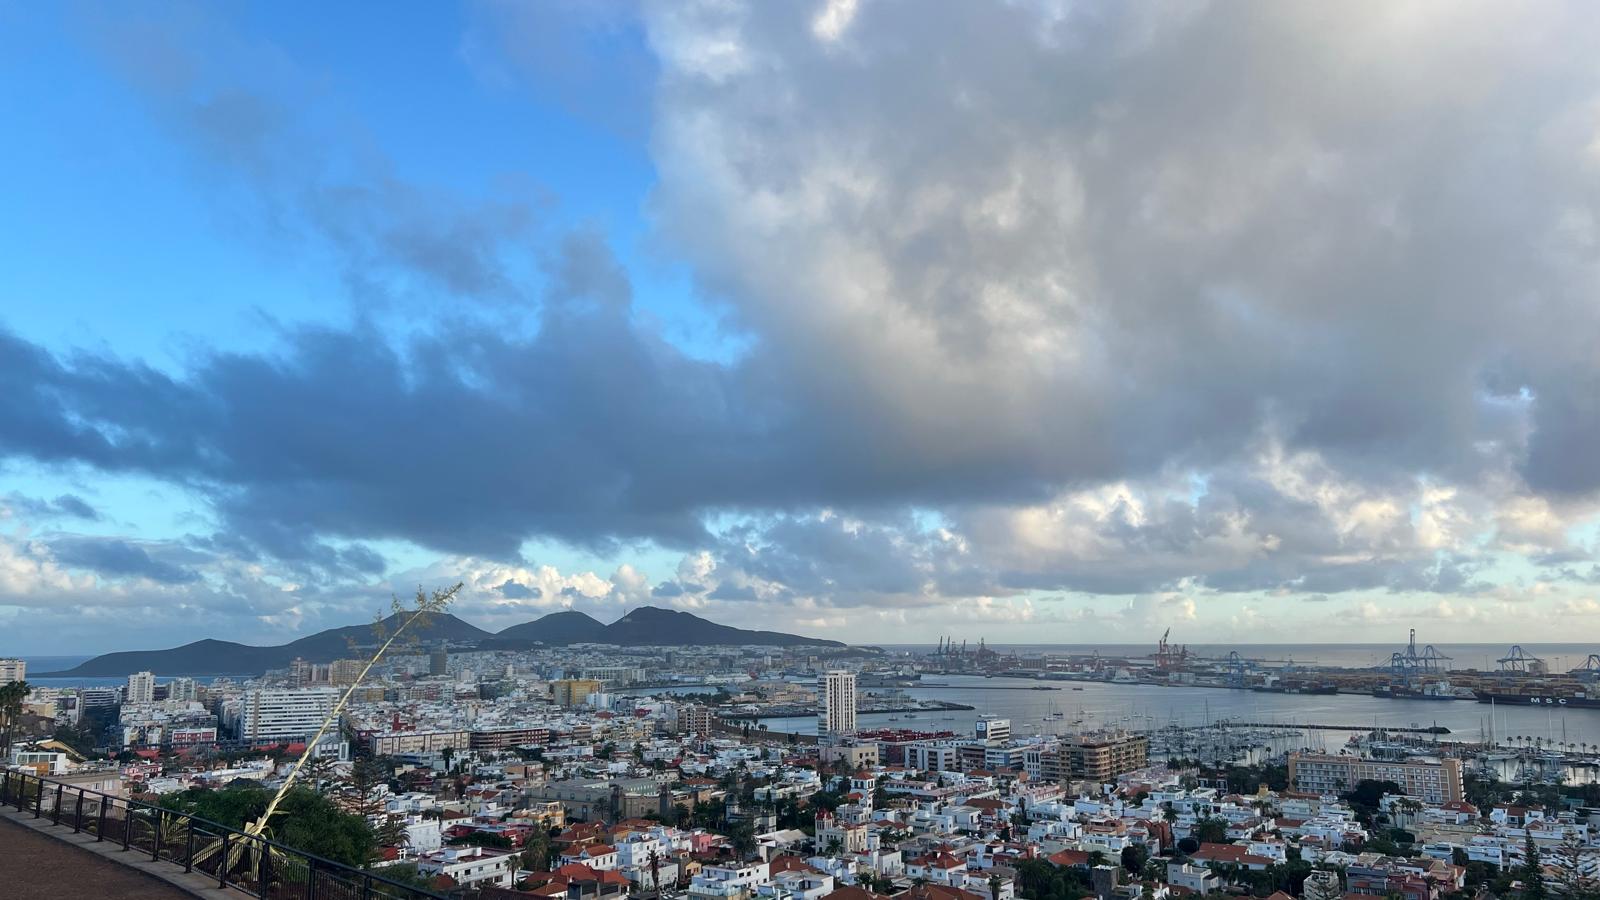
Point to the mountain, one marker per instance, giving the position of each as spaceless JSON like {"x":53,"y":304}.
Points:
{"x":654,"y":626}
{"x":568,"y":627}
{"x":647,"y":626}
{"x":211,"y":657}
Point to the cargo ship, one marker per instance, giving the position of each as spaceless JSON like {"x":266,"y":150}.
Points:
{"x":1538,"y":698}
{"x":1296,"y":688}
{"x":1439,"y":690}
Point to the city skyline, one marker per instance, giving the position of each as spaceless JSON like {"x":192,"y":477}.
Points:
{"x":864,"y":321}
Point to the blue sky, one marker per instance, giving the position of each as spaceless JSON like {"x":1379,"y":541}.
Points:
{"x":804,"y":316}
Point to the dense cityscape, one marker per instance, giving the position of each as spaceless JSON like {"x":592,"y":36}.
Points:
{"x":609,"y":771}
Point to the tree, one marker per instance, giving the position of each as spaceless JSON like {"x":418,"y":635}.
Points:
{"x":1531,"y":871}
{"x":1134,"y":857}
{"x":655,"y":871}
{"x":1573,"y":869}
{"x":995,"y":883}
{"x":482,"y":839}
{"x":743,"y":838}
{"x":392,"y":833}
{"x":318,"y":772}
{"x":362,"y":785}
{"x":12,"y":694}
{"x":1211,"y":830}
{"x":1368,"y":792}
{"x":310,"y":821}
{"x":536,"y":851}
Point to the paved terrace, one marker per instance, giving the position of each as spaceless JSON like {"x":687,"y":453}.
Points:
{"x":41,"y":862}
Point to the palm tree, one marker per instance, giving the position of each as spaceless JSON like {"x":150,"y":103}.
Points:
{"x":994,"y":886}
{"x":11,"y":697}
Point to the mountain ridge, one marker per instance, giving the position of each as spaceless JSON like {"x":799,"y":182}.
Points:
{"x":640,"y":627}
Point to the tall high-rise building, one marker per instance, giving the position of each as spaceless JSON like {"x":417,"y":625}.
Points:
{"x":345,"y":671}
{"x":273,"y":714}
{"x":574,"y":691}
{"x":181,"y":689}
{"x":438,"y":663}
{"x":141,"y":688}
{"x":13,"y":670}
{"x":838,"y":694}
{"x":694,"y":718}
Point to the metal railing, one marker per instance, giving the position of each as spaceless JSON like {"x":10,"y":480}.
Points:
{"x":259,"y":867}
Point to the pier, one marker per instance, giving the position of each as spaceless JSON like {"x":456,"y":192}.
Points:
{"x":1393,"y":729}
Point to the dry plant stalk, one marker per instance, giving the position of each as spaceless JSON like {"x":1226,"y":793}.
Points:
{"x":425,"y":604}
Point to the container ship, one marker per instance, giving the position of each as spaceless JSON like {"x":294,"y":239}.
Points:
{"x":1538,"y":698}
{"x":1439,"y":690}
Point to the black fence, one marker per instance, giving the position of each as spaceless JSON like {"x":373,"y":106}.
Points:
{"x":233,"y":859}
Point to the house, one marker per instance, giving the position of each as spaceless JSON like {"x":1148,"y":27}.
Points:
{"x":1230,"y":855}
{"x":1199,"y":879}
{"x":729,"y":880}
{"x":471,"y":867}
{"x":938,"y":868}
{"x":797,"y":884}
{"x":600,"y":857}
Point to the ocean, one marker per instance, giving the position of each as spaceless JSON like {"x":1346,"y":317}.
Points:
{"x":1560,"y":657}
{"x":1090,"y":705}
{"x":60,"y":663}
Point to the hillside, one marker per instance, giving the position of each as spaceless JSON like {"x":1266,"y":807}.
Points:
{"x":647,"y":626}
{"x":213,"y":657}
{"x":653,"y":626}
{"x":567,"y":627}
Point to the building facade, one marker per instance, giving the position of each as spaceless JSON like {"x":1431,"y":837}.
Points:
{"x":574,"y":691}
{"x":838,"y":695}
{"x":1096,"y":756}
{"x":694,"y":718}
{"x":284,"y":714}
{"x":1322,"y":773}
{"x":141,"y":688}
{"x":13,"y":670}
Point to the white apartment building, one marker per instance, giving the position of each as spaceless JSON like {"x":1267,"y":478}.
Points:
{"x":13,"y":670}
{"x":141,"y":688}
{"x":993,"y":730}
{"x":182,"y":689}
{"x":284,"y":714}
{"x":933,"y":757}
{"x":731,"y":881}
{"x":838,"y":690}
{"x":471,"y":867}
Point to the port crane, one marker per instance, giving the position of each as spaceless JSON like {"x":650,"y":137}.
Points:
{"x":1520,"y":661}
{"x":1411,"y":661}
{"x":1169,"y":657}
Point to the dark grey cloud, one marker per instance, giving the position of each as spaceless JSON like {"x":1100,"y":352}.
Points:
{"x":118,"y":559}
{"x":514,"y":590}
{"x":69,"y":506}
{"x":733,"y":592}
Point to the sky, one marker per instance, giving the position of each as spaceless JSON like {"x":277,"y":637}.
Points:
{"x":877,"y":320}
